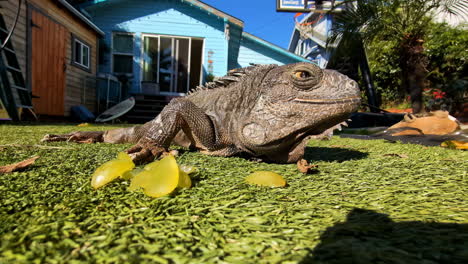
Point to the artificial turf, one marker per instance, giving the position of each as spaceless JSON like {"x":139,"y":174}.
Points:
{"x":372,"y":201}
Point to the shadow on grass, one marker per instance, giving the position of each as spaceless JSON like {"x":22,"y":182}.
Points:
{"x":370,"y":237}
{"x":332,"y":154}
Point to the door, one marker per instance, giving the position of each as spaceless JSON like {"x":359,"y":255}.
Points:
{"x":48,"y":64}
{"x":173,"y":63}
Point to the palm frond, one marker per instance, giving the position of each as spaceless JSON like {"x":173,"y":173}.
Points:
{"x":454,"y":7}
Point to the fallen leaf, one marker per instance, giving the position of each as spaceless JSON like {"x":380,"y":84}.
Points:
{"x":403,"y":156}
{"x":306,"y":168}
{"x":18,"y":166}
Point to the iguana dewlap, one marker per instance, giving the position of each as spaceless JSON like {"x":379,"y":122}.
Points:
{"x":264,"y":111}
{"x":438,"y":123}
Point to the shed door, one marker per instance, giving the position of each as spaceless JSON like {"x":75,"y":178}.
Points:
{"x":48,"y":64}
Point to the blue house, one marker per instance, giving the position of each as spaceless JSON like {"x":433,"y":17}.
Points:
{"x":168,"y":47}
{"x":310,"y":34}
{"x":309,"y":38}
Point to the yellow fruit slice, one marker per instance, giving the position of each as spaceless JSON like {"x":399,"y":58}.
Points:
{"x":111,"y":170}
{"x":184,"y":180}
{"x":455,"y":144}
{"x":266,"y":178}
{"x":159,"y":178}
{"x":130,"y":174}
{"x":124,"y":156}
{"x":187,"y":169}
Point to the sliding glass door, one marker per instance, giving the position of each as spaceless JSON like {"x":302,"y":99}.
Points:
{"x":172,"y":64}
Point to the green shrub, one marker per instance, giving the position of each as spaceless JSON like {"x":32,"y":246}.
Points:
{"x":445,"y":48}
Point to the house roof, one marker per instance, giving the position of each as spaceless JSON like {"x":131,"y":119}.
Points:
{"x":81,"y":17}
{"x":274,"y":47}
{"x":196,"y":3}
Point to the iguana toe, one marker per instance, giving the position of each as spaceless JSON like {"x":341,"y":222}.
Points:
{"x":141,"y":154}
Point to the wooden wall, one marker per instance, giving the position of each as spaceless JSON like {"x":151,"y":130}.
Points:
{"x":75,"y":86}
{"x":8,"y":10}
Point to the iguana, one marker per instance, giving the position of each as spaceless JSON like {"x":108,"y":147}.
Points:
{"x":264,"y":111}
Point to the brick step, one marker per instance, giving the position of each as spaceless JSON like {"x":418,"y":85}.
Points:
{"x":146,"y":108}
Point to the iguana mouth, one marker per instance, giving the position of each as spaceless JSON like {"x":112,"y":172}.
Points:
{"x":355,"y":99}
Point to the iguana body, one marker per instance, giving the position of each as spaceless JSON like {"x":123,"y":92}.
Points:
{"x":265,"y":111}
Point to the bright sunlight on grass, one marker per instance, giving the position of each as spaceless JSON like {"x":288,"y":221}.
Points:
{"x":371,"y":201}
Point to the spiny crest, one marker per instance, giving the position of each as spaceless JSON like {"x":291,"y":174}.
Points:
{"x":234,"y":75}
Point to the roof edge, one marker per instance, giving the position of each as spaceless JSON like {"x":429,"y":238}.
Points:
{"x":77,"y":13}
{"x":217,"y":12}
{"x":196,"y":3}
{"x":274,"y":47}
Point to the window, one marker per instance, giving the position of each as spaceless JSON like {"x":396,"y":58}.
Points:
{"x":81,"y":53}
{"x":173,"y":63}
{"x":122,"y":53}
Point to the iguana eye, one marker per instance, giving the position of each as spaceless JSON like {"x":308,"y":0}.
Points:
{"x":306,"y":76}
{"x":302,"y":74}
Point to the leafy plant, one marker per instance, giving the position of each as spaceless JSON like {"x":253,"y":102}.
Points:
{"x":403,"y":21}
{"x":448,"y":61}
{"x":445,"y":48}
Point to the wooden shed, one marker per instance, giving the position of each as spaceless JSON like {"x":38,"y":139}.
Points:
{"x":57,"y":50}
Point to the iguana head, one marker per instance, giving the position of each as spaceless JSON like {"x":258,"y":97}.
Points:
{"x":297,"y":100}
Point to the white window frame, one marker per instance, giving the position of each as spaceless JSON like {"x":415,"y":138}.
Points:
{"x":122,"y":53}
{"x":79,"y":60}
{"x":158,"y":36}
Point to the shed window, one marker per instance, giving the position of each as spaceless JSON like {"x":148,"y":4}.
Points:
{"x":81,"y":53}
{"x":122,"y":53}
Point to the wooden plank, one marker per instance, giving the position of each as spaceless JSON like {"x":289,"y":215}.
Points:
{"x":63,"y":17}
{"x":48,"y":52}
{"x":46,"y":12}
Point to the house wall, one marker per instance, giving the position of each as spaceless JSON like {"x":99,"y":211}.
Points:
{"x":164,"y":17}
{"x":74,"y":76}
{"x":235,"y":36}
{"x":252,"y":52}
{"x":77,"y":90}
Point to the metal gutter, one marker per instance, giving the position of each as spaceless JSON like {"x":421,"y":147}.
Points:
{"x":81,"y":16}
{"x":274,"y":47}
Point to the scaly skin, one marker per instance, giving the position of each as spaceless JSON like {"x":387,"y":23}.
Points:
{"x":265,"y":111}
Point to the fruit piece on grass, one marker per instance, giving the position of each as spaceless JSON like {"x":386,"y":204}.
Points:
{"x":128,"y":175}
{"x":266,"y":178}
{"x":111,"y":170}
{"x":158,"y":178}
{"x":187,"y":169}
{"x":184,"y":180}
{"x":455,"y":144}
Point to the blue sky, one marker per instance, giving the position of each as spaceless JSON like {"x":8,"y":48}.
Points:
{"x":260,"y":18}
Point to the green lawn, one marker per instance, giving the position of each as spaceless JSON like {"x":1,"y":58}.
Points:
{"x":371,"y":202}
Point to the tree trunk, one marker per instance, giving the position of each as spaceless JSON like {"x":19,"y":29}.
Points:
{"x":413,"y":63}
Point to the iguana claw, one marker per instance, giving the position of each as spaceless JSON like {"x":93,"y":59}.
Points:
{"x":143,"y":154}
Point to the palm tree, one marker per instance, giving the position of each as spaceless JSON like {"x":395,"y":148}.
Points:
{"x":404,"y":20}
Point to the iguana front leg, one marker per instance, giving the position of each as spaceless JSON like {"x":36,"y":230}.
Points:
{"x":179,"y":114}
{"x":155,"y":137}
